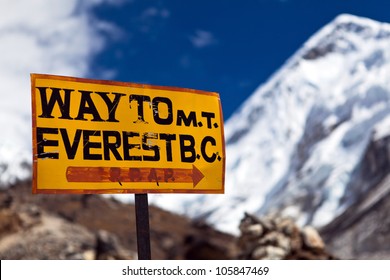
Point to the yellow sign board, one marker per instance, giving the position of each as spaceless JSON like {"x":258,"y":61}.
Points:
{"x":93,"y":136}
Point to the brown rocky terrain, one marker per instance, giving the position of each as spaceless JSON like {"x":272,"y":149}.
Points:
{"x":97,"y":227}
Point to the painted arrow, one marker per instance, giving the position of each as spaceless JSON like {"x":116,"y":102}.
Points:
{"x":132,"y":175}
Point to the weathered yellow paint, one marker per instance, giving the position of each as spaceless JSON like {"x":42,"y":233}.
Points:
{"x":140,"y":138}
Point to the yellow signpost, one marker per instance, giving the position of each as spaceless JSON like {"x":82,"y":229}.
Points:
{"x":94,"y":136}
{"x":111,"y":137}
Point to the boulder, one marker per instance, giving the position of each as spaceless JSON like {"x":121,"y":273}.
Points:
{"x":276,"y":238}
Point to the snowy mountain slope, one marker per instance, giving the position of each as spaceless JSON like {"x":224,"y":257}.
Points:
{"x":295,"y":143}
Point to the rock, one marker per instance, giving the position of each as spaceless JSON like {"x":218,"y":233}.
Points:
{"x":247,"y":221}
{"x":89,"y":255}
{"x":258,"y":253}
{"x":269,"y":253}
{"x":274,"y":238}
{"x":275,"y":253}
{"x":296,"y":242}
{"x":29,"y":215}
{"x":9,"y":222}
{"x":312,"y":239}
{"x":267,"y":223}
{"x":286,"y":226}
{"x":255,"y":230}
{"x":52,"y":238}
{"x":108,"y":247}
{"x":5,"y":200}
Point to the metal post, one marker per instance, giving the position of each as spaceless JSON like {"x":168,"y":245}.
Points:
{"x":142,"y":224}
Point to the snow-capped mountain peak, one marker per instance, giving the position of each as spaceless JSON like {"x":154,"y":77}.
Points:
{"x":296,"y":141}
{"x":296,"y":144}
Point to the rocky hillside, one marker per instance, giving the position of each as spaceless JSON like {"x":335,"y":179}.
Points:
{"x":95,"y":227}
{"x":362,"y":232}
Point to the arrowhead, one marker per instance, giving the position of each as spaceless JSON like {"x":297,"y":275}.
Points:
{"x":197,"y":175}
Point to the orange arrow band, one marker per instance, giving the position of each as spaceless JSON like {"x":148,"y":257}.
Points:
{"x":131,"y":175}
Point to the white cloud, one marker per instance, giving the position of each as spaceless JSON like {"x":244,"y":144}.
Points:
{"x":42,"y":36}
{"x":202,"y":39}
{"x":152,"y":18}
{"x":58,"y":37}
{"x":153,"y":12}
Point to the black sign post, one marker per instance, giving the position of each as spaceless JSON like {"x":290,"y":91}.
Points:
{"x":142,"y":224}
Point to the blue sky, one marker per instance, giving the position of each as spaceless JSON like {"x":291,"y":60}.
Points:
{"x":228,"y":46}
